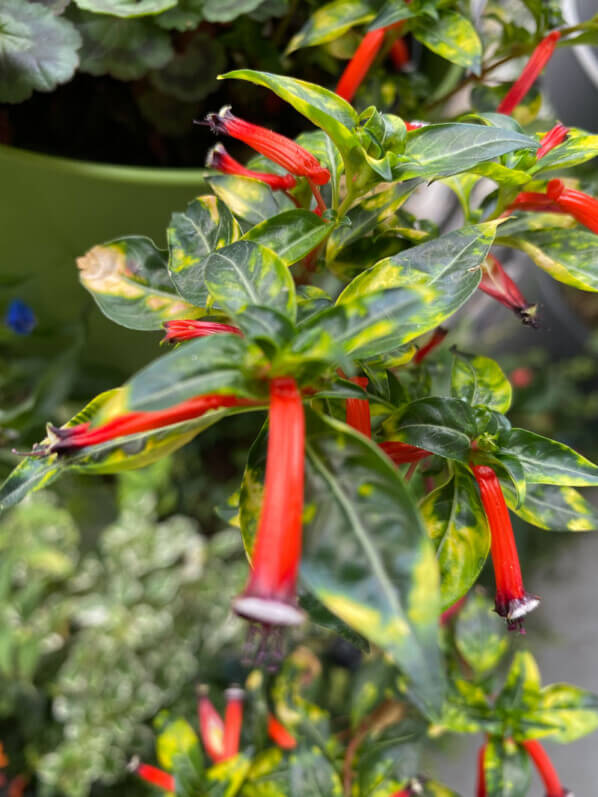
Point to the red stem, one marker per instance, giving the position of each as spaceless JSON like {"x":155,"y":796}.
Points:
{"x":545,"y":769}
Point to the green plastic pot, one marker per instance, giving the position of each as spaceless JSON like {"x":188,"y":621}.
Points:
{"x":54,"y":209}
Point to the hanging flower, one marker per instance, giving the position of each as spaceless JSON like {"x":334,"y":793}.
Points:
{"x":552,"y":139}
{"x":360,"y":64}
{"x":538,"y":60}
{"x":270,"y":595}
{"x":279,"y":734}
{"x":399,"y":53}
{"x":481,"y":790}
{"x":157,"y":777}
{"x":280,"y":149}
{"x":211,"y":726}
{"x":218,"y":158}
{"x":512,"y":601}
{"x":403,"y":453}
{"x":71,"y":438}
{"x":233,"y":721}
{"x":179,"y":330}
{"x":582,"y":207}
{"x":546,"y":770}
{"x":358,"y":410}
{"x":497,"y":283}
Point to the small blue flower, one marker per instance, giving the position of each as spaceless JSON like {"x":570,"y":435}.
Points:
{"x":20,"y":317}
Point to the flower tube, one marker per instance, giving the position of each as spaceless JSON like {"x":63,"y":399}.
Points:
{"x":279,"y":734}
{"x":582,"y":207}
{"x":211,"y":727}
{"x":497,"y":283}
{"x":403,"y":453}
{"x":218,"y":158}
{"x":538,"y":60}
{"x":280,"y":149}
{"x":179,"y":330}
{"x":233,"y":721}
{"x":157,"y":777}
{"x":481,"y":790}
{"x":437,"y":337}
{"x":270,"y":597}
{"x":512,"y":601}
{"x":546,"y":770}
{"x":360,"y":64}
{"x":552,"y":139}
{"x":358,"y":410}
{"x":67,"y":439}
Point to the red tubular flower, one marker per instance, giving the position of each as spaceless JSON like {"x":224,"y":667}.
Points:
{"x":538,"y":60}
{"x":157,"y":777}
{"x":233,"y":721}
{"x":179,"y":330}
{"x":211,"y":727}
{"x":279,"y":734}
{"x":481,"y":792}
{"x":534,"y":201}
{"x":447,"y":615}
{"x":582,"y":207}
{"x":218,"y":158}
{"x":497,"y":283}
{"x":270,"y":597}
{"x":552,"y":139}
{"x":75,"y":437}
{"x":403,"y":453}
{"x":546,"y":770}
{"x":280,"y":149}
{"x":399,"y":53}
{"x":358,"y":410}
{"x":414,"y":125}
{"x":512,"y":601}
{"x":360,"y":64}
{"x":437,"y":337}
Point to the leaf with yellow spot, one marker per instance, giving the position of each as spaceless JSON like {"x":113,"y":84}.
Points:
{"x":480,"y":380}
{"x":129,"y":280}
{"x":452,"y":36}
{"x":367,"y":557}
{"x":507,"y":770}
{"x":554,"y":508}
{"x":177,"y":738}
{"x":249,"y":200}
{"x":480,"y":634}
{"x":206,"y":225}
{"x":331,"y":21}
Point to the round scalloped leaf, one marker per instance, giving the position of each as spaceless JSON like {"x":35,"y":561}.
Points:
{"x":38,"y":51}
{"x":126,"y":8}
{"x":124,"y":48}
{"x":186,"y":15}
{"x":192,"y":75}
{"x":227,"y":10}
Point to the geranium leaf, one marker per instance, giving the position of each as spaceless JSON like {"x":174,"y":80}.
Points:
{"x":126,"y":8}
{"x":203,"y":56}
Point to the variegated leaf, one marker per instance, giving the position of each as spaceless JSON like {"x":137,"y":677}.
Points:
{"x":554,"y":508}
{"x":480,"y":634}
{"x":546,"y":461}
{"x":250,"y":200}
{"x":507,"y":769}
{"x":129,"y":280}
{"x":480,"y":380}
{"x":290,"y":235}
{"x":452,"y":36}
{"x":330,"y":21}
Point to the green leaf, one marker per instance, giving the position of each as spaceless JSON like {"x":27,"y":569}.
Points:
{"x":456,"y":522}
{"x":33,"y":473}
{"x":126,"y":8}
{"x":322,"y":107}
{"x":568,"y":255}
{"x":547,"y":462}
{"x":204,"y":366}
{"x":310,"y":772}
{"x":365,"y":216}
{"x":263,"y":324}
{"x":578,"y":147}
{"x":444,"y":426}
{"x":207,"y":224}
{"x":480,"y":634}
{"x":323,"y":617}
{"x":124,"y":48}
{"x":453,"y":37}
{"x":205,"y":56}
{"x":311,"y":300}
{"x":415,"y":291}
{"x":245,"y":273}
{"x":226,"y":778}
{"x":38,"y":50}
{"x":185,"y":15}
{"x":506,"y":769}
{"x":446,"y":149}
{"x":322,"y":147}
{"x":367,"y":557}
{"x":290,"y":235}
{"x":563,"y":712}
{"x":554,"y":508}
{"x":521,"y":690}
{"x":129,"y":280}
{"x":227,"y":10}
{"x":249,"y":199}
{"x":330,"y":21}
{"x":480,"y":380}
{"x":177,"y":738}
{"x":394,"y":11}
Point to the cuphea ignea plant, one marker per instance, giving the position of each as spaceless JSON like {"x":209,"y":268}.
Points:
{"x":301,"y":289}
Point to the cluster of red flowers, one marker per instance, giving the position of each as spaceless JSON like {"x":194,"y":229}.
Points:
{"x":220,"y":737}
{"x":544,"y":767}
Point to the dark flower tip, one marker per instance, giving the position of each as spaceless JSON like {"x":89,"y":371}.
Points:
{"x":529,"y":316}
{"x":516,"y":609}
{"x":216,"y":121}
{"x":264,"y":647}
